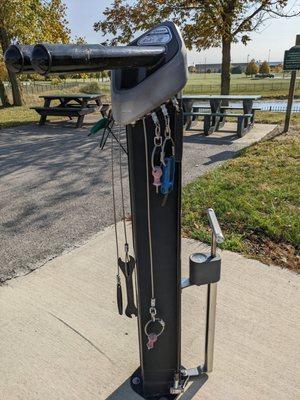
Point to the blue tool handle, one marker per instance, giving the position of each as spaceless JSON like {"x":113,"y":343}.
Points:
{"x":167,"y":181}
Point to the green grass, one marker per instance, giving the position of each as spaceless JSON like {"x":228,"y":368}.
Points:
{"x":210,"y":84}
{"x":269,"y":117}
{"x":13,"y":116}
{"x":256,"y":198}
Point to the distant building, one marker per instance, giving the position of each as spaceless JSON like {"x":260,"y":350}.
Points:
{"x":202,"y":68}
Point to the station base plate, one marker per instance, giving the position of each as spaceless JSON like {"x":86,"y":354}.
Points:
{"x":136,"y":383}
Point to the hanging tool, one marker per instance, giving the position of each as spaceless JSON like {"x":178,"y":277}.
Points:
{"x":106,"y":124}
{"x":168,"y":175}
{"x":127,"y":266}
{"x":168,"y":161}
{"x":168,"y":136}
{"x":151,"y":335}
{"x":156,"y":168}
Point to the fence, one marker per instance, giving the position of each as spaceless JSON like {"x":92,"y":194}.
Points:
{"x":38,"y":88}
{"x":257,"y":88}
{"x":264,"y":88}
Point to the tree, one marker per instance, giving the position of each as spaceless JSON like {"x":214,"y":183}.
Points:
{"x":252,"y":68}
{"x":278,"y":68}
{"x":205,"y":23}
{"x":264,"y":68}
{"x":29,"y":21}
{"x":3,"y":76}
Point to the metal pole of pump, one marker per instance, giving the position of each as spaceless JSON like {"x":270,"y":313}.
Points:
{"x":216,"y":237}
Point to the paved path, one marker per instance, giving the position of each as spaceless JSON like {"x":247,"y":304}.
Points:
{"x":55,"y":187}
{"x":61,"y":336}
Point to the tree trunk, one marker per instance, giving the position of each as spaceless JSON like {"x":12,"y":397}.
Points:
{"x":3,"y":95}
{"x":16,"y":90}
{"x":226,"y":60}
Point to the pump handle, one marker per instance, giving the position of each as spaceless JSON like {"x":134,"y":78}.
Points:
{"x":214,"y":224}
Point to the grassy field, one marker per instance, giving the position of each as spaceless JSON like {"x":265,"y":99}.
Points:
{"x":256,"y":198}
{"x":199,"y":79}
{"x":14,"y":116}
{"x":210,"y":84}
{"x":269,"y":117}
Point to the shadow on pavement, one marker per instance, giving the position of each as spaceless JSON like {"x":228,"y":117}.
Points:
{"x":214,"y":140}
{"x":55,"y":186}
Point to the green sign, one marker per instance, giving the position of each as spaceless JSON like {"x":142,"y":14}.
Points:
{"x":292,"y":59}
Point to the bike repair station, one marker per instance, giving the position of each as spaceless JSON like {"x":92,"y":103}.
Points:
{"x":147,"y":78}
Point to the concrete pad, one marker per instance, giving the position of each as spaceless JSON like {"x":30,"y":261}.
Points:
{"x":61,"y":336}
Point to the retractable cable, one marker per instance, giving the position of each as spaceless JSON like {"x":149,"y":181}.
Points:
{"x":151,"y":335}
{"x":119,"y":286}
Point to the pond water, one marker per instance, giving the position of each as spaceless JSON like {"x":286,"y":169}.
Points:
{"x":277,"y":105}
{"x":265,"y":105}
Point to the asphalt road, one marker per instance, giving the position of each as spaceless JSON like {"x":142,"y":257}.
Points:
{"x":55,"y":189}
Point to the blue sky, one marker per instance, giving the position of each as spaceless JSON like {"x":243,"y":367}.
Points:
{"x":278,"y":34}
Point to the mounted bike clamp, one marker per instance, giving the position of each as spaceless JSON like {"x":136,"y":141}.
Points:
{"x":205,"y":269}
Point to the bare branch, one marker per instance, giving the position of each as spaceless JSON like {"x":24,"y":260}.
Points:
{"x":248,"y":19}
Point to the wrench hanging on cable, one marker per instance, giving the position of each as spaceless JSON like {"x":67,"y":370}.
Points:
{"x":127,"y":266}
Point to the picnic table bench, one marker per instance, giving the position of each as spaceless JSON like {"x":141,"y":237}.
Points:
{"x":72,"y":106}
{"x":216,"y":118}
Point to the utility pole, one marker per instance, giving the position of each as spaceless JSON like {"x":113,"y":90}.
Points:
{"x":269,"y":56}
{"x":291,"y":91}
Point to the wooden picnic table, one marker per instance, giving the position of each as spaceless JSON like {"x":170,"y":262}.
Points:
{"x":218,"y":112}
{"x":71,"y":105}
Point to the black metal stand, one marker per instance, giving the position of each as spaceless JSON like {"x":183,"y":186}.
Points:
{"x":158,"y":365}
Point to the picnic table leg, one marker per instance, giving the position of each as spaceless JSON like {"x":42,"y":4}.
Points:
{"x":215,"y":106}
{"x":240,"y":127}
{"x":80,"y":121}
{"x":188,"y":108}
{"x":248,"y":109}
{"x":43,"y":118}
{"x":207,"y":125}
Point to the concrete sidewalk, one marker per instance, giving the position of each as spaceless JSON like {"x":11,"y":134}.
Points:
{"x":61,"y":337}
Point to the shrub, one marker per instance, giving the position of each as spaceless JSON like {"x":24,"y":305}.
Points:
{"x":91,"y":88}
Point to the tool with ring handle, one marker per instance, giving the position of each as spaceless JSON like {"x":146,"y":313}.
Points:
{"x":153,"y":336}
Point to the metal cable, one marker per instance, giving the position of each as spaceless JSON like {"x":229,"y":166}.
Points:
{"x":122,"y":189}
{"x":148,"y":211}
{"x":114,"y":201}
